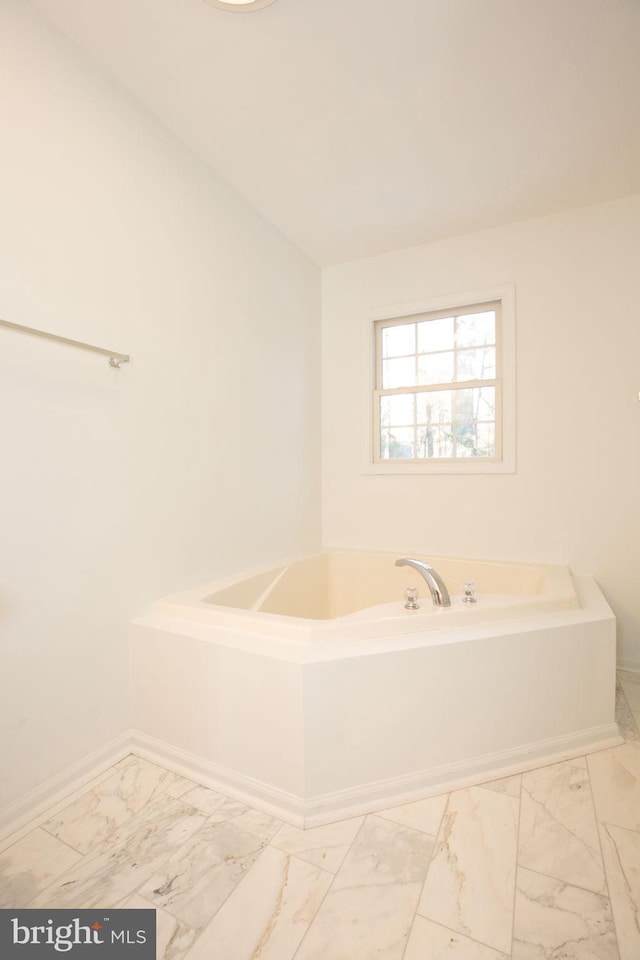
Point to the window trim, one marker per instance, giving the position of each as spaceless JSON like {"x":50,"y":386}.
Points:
{"x":505,"y":387}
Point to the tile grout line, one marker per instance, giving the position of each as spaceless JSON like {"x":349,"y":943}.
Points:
{"x":167,"y":910}
{"x":199,"y":931}
{"x":329,"y":888}
{"x":628,"y":706}
{"x":85,"y":853}
{"x":466,"y":936}
{"x":517,"y":865}
{"x":566,"y":883}
{"x":60,"y":840}
{"x":424,"y":879}
{"x":178,"y":920}
{"x":94,"y":853}
{"x":604,"y":866}
{"x":39,"y":819}
{"x":155,"y":795}
{"x":482,"y":943}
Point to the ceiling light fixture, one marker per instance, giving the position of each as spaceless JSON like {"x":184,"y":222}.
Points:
{"x":239,"y":6}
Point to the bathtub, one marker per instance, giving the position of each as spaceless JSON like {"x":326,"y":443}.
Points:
{"x":309,"y":691}
{"x":347,"y":595}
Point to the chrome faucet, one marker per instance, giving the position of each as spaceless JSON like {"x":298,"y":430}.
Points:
{"x":439,"y":593}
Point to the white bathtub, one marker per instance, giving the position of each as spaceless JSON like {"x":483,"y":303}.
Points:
{"x":347,"y":595}
{"x":244,"y":685}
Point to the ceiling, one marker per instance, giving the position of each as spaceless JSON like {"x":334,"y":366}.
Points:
{"x":362,"y":126}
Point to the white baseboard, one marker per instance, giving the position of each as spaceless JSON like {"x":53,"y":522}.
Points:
{"x":456,"y":776}
{"x":15,"y":815}
{"x":255,"y":793}
{"x":367,"y":798}
{"x":300,"y":811}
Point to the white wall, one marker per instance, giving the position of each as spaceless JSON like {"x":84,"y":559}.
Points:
{"x":574,"y":498}
{"x":199,"y":459}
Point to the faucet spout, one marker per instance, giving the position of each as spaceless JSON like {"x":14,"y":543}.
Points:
{"x":439,"y":593}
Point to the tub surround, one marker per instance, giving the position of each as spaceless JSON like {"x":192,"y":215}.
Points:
{"x":316,"y":730}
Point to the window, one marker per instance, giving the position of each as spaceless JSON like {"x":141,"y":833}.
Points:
{"x":443,"y":391}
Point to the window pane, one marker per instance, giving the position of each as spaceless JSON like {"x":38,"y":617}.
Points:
{"x":397,"y":444}
{"x":486,"y":403}
{"x":475,"y":440}
{"x":435,"y":441}
{"x":435,"y":368}
{"x":398,"y":373}
{"x":399,"y":340}
{"x":397,"y":411}
{"x":435,"y":335}
{"x":486,"y":440}
{"x":477,"y":403}
{"x":434,"y":407}
{"x":465,"y":440}
{"x":466,"y":405}
{"x":475,"y":329}
{"x":476,"y":364}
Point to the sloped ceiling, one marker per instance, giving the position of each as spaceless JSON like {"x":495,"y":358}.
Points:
{"x":361,"y":126}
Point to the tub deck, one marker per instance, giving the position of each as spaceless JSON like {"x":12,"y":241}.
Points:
{"x":347,"y":595}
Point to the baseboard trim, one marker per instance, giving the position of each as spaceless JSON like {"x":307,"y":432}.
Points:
{"x":16,"y":814}
{"x":299,"y":811}
{"x":367,"y":798}
{"x":457,"y":776}
{"x":256,"y":793}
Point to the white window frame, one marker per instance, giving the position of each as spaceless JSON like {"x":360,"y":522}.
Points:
{"x":505,"y":461}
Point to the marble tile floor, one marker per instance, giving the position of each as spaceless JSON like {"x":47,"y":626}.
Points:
{"x":541,"y":865}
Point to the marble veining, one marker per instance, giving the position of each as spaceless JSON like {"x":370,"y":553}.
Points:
{"x":557,"y":920}
{"x":324,"y":846}
{"x":470,"y":883}
{"x":558,"y":831}
{"x":122,"y":863}
{"x":261,"y":825}
{"x":96,"y":814}
{"x":424,"y":815}
{"x":268,"y":914}
{"x":211,"y":802}
{"x":621,"y":851}
{"x":194,"y":882}
{"x":173,"y":938}
{"x":625,"y":718}
{"x":9,"y":839}
{"x":385,"y":853}
{"x":362,"y":922}
{"x":179,"y":787}
{"x":630,"y":684}
{"x":431,"y":941}
{"x":30,"y":865}
{"x":508,"y":785}
{"x":373,"y":897}
{"x":615,"y":781}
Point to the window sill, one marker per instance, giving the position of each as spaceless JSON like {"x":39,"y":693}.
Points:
{"x":470,"y":467}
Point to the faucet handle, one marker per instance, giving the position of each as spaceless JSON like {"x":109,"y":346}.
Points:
{"x":469,"y":592}
{"x":411,"y":596}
